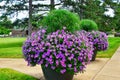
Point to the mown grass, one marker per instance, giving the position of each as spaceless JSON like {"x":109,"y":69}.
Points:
{"x":12,"y":52}
{"x":11,"y":47}
{"x":114,"y":43}
{"x":11,"y":42}
{"x":9,"y":74}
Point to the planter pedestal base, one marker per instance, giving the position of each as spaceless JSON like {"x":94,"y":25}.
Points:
{"x":94,"y":55}
{"x":50,"y":74}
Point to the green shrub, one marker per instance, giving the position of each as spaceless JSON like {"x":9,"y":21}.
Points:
{"x":88,"y":25}
{"x":4,"y":31}
{"x":57,"y":19}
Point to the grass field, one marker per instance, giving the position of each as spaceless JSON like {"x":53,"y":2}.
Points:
{"x":11,"y":47}
{"x":9,"y":74}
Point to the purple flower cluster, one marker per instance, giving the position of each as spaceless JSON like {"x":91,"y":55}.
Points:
{"x":99,"y":39}
{"x":33,"y":46}
{"x":61,"y":51}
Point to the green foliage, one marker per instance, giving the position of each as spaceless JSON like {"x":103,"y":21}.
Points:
{"x":36,"y":19}
{"x":88,"y":25}
{"x":107,"y":23}
{"x":94,"y":10}
{"x":5,"y":22}
{"x":4,"y":30}
{"x":21,"y":23}
{"x":117,"y":18}
{"x":9,"y":74}
{"x":57,"y":19}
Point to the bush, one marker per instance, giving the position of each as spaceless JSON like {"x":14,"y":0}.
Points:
{"x":57,"y":19}
{"x":88,"y":25}
{"x":4,"y":31}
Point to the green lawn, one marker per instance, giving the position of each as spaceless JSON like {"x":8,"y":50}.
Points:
{"x":9,"y":74}
{"x":114,"y":43}
{"x":11,"y":47}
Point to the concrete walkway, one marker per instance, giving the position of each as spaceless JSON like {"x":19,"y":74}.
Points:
{"x":20,"y":65}
{"x":111,"y":71}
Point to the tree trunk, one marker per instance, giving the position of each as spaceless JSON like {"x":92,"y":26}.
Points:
{"x":30,"y":18}
{"x":117,"y":1}
{"x":81,"y":10}
{"x":52,"y":5}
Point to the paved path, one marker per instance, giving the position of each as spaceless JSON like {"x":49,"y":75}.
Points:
{"x":111,"y":71}
{"x":20,"y":65}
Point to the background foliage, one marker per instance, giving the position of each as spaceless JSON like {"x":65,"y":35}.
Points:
{"x":86,"y":9}
{"x":4,"y":30}
{"x":88,"y":25}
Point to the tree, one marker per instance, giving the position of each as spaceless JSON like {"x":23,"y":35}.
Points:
{"x":117,"y":15}
{"x":30,"y":18}
{"x":52,"y":4}
{"x":77,"y":6}
{"x":5,"y":22}
{"x":87,"y":9}
{"x":111,"y":22}
{"x":20,"y":23}
{"x":94,"y":10}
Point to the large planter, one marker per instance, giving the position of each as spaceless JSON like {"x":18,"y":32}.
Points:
{"x":50,"y":74}
{"x":94,"y":55}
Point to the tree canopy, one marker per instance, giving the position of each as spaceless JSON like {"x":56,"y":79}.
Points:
{"x":86,"y":9}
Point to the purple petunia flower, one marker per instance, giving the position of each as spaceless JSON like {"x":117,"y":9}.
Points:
{"x":69,"y":65}
{"x":63,"y":71}
{"x":52,"y":67}
{"x":63,"y":63}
